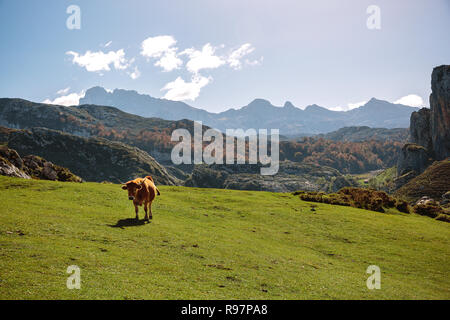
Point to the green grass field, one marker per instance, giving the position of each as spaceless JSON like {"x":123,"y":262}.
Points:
{"x":210,"y":244}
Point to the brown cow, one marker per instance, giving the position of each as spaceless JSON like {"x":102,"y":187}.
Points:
{"x":142,"y":191}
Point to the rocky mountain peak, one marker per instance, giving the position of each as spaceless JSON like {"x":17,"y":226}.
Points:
{"x":97,"y":90}
{"x":314,"y":108}
{"x":288,"y":105}
{"x":258,"y":113}
{"x":260,"y":103}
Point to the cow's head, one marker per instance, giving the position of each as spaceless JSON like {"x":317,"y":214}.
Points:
{"x":132,"y":188}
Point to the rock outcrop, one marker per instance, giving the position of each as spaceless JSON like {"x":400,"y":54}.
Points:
{"x":413,"y":157}
{"x":440,"y":111}
{"x":40,"y":168}
{"x":11,"y":164}
{"x":429,"y":129}
{"x":445,"y":200}
{"x":31,"y":166}
{"x":420,"y":129}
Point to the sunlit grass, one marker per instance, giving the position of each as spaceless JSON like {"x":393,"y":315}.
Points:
{"x":210,"y":244}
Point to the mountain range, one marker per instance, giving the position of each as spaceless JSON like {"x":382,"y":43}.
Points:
{"x":258,"y":114}
{"x":153,"y":135}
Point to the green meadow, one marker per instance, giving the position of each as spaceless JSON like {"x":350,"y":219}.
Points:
{"x":210,"y":244}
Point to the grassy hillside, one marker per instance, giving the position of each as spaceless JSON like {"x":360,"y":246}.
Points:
{"x":93,"y":159}
{"x":433,"y":182}
{"x":208,"y":243}
{"x":384,"y":180}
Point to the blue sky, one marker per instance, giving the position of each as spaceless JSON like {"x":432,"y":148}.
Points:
{"x":220,"y":54}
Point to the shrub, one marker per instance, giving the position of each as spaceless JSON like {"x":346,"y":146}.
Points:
{"x":376,"y":205}
{"x":429,"y":210}
{"x":402,"y":206}
{"x":443,"y":217}
{"x":369,"y":199}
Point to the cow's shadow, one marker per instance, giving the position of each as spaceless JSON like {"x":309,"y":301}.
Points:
{"x":129,"y":222}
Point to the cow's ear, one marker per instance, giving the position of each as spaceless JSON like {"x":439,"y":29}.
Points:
{"x":124,"y":187}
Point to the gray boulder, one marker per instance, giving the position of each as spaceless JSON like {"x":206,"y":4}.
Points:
{"x":10,"y":170}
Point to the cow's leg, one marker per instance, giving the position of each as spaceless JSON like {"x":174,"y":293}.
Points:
{"x":146,"y":211}
{"x":150,"y":210}
{"x":136,"y":208}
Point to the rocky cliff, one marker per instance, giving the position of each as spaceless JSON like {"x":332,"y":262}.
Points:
{"x":440,"y":111}
{"x":420,"y":129}
{"x":413,"y":157}
{"x":429,"y":129}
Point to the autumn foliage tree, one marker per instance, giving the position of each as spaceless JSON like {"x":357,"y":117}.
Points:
{"x":347,"y":157}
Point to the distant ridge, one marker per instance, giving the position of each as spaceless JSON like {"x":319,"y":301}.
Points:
{"x":364,"y":133}
{"x":259,"y":113}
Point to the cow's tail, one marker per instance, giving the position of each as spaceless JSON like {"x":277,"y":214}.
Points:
{"x":157,"y":192}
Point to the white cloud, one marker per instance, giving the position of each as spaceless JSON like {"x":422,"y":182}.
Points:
{"x":71,"y":99}
{"x":63,"y":91}
{"x":180,"y":90}
{"x":162,"y":48}
{"x":155,"y":47}
{"x":349,"y":106}
{"x":412,"y":100}
{"x":100,"y":61}
{"x":255,"y":62}
{"x":204,"y":59}
{"x":234,"y":60}
{"x":164,"y":53}
{"x":169,"y":61}
{"x":135,"y":74}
